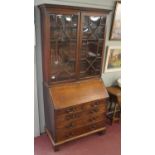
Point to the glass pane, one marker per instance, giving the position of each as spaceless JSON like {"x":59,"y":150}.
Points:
{"x":92,"y":45}
{"x":63,"y":46}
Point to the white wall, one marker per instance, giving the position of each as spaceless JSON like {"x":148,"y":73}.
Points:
{"x":39,"y":70}
{"x":109,"y":78}
{"x":36,"y":110}
{"x":84,"y":3}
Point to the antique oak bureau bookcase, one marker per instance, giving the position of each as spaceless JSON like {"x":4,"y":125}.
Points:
{"x":72,"y":56}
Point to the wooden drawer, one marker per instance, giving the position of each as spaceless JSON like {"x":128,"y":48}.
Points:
{"x":81,"y":107}
{"x":71,"y":110}
{"x":86,"y":119}
{"x":68,"y":117}
{"x":80,"y":115}
{"x":76,"y":112}
{"x":96,"y":104}
{"x":66,"y":134}
{"x":95,"y":109}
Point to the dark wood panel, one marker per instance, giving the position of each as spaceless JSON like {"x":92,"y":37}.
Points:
{"x":49,"y":112}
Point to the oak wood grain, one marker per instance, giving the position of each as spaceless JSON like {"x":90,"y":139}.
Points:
{"x":76,"y":93}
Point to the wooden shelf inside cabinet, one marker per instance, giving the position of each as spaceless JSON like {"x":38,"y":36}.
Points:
{"x":73,"y":40}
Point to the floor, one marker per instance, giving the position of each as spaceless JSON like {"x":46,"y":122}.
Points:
{"x":108,"y":144}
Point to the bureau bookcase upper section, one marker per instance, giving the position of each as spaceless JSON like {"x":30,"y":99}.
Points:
{"x":73,"y":41}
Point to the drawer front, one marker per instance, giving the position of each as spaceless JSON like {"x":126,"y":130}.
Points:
{"x":78,"y":112}
{"x":81,"y":107}
{"x":97,"y":104}
{"x":86,"y":119}
{"x":66,"y":134}
{"x":80,"y":115}
{"x":71,"y":110}
{"x":69,"y":117}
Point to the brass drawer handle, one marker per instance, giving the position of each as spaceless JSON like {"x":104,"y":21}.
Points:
{"x":73,"y":109}
{"x":72,"y":116}
{"x":94,"y":110}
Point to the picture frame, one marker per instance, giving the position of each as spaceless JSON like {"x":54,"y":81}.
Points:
{"x":113,"y":59}
{"x":116,"y":23}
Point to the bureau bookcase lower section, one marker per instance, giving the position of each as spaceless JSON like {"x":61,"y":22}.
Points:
{"x":69,"y":117}
{"x":81,"y":119}
{"x":78,"y":121}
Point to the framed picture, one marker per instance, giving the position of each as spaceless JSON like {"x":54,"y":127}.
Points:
{"x":116,"y":24}
{"x":113,"y":59}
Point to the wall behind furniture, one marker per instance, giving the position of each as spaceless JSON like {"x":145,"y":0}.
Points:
{"x":108,"y":78}
{"x":107,"y":4}
{"x":36,"y":108}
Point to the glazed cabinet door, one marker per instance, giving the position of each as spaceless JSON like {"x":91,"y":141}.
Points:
{"x":91,"y":44}
{"x":64,"y":27}
{"x":73,"y":44}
